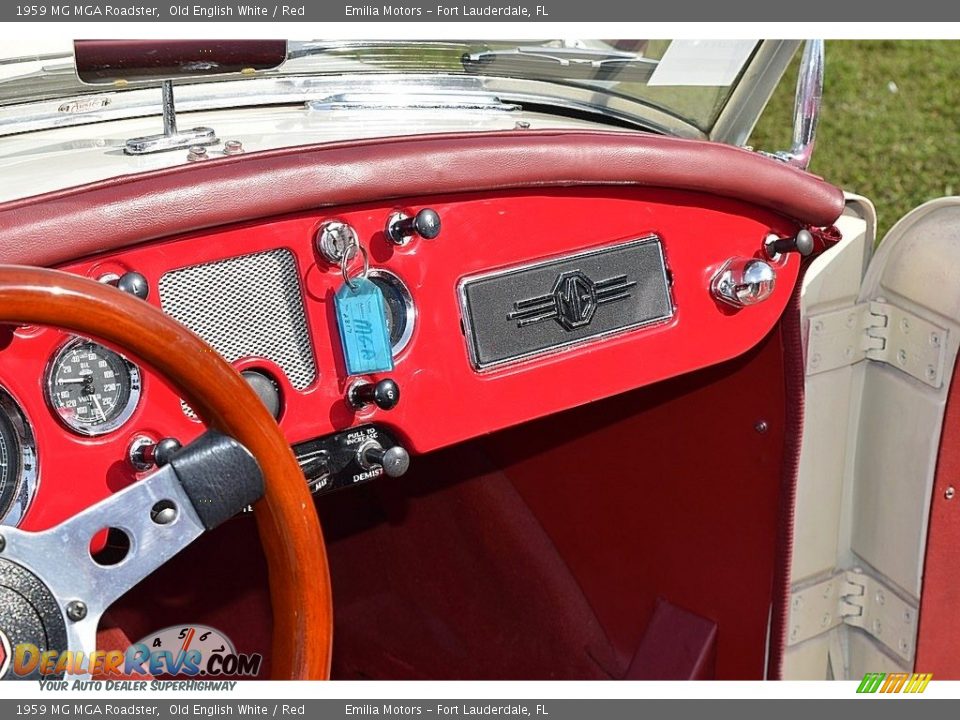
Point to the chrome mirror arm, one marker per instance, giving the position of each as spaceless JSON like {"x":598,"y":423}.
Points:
{"x":171,"y":138}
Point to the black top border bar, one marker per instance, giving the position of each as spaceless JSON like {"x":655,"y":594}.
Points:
{"x":474,"y":11}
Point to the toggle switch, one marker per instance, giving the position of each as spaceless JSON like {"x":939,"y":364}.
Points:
{"x":145,"y":454}
{"x":384,"y":394}
{"x":395,"y":461}
{"x":401,"y":228}
{"x":802,"y":243}
{"x":132,"y":283}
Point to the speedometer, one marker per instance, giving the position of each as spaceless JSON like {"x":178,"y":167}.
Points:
{"x":92,"y":389}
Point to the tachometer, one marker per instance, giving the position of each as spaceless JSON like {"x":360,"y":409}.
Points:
{"x":92,"y":389}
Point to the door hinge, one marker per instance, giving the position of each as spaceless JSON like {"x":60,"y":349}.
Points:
{"x":854,"y":598}
{"x":878,"y":331}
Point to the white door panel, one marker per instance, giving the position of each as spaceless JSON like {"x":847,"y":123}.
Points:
{"x":872,"y":430}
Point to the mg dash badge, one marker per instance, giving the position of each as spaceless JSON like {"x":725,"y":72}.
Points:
{"x":573,"y":301}
{"x":548,"y":306}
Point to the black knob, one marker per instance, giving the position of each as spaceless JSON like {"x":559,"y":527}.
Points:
{"x":164,"y":451}
{"x":802,"y":243}
{"x":145,"y":454}
{"x":395,"y":461}
{"x":384,"y":394}
{"x":133,"y":283}
{"x":266,"y":389}
{"x":426,"y":224}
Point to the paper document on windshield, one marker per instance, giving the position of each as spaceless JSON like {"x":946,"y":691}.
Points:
{"x":702,"y":62}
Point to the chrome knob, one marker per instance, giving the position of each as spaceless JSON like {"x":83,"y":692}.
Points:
{"x":395,"y":461}
{"x":743,"y":281}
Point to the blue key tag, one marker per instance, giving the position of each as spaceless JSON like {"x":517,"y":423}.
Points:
{"x":362,"y":319}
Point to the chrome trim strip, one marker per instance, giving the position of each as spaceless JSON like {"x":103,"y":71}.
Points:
{"x":287,"y":90}
{"x":410,"y":101}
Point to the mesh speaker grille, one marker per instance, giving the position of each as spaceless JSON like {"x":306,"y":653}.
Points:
{"x":246,"y":306}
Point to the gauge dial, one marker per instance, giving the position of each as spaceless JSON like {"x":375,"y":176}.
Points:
{"x":400,"y":310}
{"x":9,"y":464}
{"x":92,"y":390}
{"x":18,"y":462}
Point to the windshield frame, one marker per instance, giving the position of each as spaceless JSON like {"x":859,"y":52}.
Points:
{"x":733,"y":122}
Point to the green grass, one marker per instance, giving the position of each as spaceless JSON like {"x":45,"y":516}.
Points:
{"x":890,"y":125}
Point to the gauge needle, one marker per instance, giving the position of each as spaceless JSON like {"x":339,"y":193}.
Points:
{"x":66,"y":381}
{"x":99,"y":409}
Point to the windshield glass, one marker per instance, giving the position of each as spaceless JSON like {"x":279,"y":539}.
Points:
{"x":690,"y":80}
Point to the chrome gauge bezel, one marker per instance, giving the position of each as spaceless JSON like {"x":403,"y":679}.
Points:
{"x":410,"y":309}
{"x":28,"y":472}
{"x":133,"y":398}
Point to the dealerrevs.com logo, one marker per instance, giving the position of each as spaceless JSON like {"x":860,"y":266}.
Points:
{"x":192,"y":651}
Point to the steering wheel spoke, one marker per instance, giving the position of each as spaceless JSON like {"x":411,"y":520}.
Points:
{"x":62,"y":557}
{"x":158,"y":516}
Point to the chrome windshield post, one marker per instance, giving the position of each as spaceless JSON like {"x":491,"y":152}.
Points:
{"x":806,"y":108}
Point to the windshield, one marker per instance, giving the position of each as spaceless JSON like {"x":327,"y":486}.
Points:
{"x":689,"y":80}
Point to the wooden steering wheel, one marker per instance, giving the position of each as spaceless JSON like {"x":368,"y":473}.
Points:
{"x":286,"y":519}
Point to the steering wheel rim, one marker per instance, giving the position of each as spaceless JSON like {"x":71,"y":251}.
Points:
{"x":286,"y":519}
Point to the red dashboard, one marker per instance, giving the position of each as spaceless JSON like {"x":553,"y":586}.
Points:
{"x":648,"y":282}
{"x":445,"y":398}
